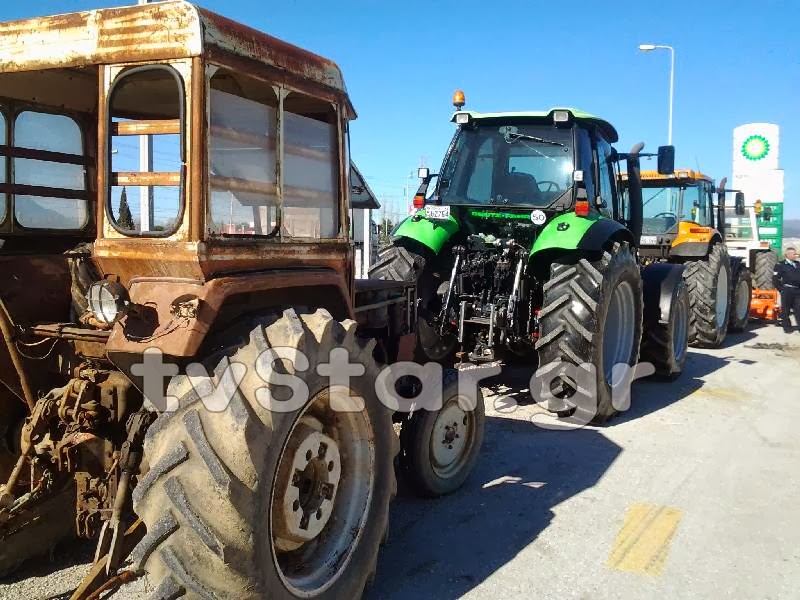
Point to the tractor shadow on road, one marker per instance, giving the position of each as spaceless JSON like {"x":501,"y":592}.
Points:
{"x":442,"y":548}
{"x":653,"y":394}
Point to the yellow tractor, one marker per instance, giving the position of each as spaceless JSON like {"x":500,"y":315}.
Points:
{"x":682,"y":224}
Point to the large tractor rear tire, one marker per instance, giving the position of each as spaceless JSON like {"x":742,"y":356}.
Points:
{"x":764,"y":269}
{"x":591,"y":317}
{"x":709,"y":284}
{"x":246,"y":502}
{"x":740,"y":299}
{"x":401,"y":263}
{"x":439,"y":449}
{"x":665,"y":344}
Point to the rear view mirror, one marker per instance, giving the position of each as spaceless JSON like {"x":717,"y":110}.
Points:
{"x":739,"y":204}
{"x":666,"y":160}
{"x":423,"y":172}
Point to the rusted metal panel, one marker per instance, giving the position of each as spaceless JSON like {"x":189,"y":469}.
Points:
{"x":150,"y":32}
{"x":250,"y":43}
{"x":158,"y":325}
{"x":131,"y":257}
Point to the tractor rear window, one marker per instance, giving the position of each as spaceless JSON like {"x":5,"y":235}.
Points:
{"x":529,"y":165}
{"x":146,"y":151}
{"x":49,"y":172}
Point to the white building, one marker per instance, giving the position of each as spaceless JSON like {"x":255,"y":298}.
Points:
{"x":362,"y":229}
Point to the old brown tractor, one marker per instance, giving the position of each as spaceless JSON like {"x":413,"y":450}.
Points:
{"x":177,"y":300}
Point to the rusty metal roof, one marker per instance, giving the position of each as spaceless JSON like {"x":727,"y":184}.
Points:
{"x":149,"y":32}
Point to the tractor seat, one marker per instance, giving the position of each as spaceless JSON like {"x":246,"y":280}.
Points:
{"x":520,"y":188}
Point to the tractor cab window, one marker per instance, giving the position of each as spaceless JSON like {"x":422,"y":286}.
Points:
{"x":3,"y":166}
{"x":49,"y":172}
{"x":661,"y":209}
{"x":146,"y":151}
{"x":242,"y":155}
{"x":529,"y":165}
{"x":605,"y":176}
{"x":244,"y":165}
{"x":695,"y":204}
{"x":310,"y":168}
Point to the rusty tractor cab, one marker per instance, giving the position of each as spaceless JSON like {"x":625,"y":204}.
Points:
{"x":682,"y":224}
{"x":174,"y":188}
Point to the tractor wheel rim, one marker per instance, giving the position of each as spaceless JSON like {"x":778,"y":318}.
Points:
{"x":451,"y":440}
{"x":722,"y":297}
{"x":323,"y":487}
{"x":742,"y":300}
{"x":619,"y":330}
{"x":680,"y":340}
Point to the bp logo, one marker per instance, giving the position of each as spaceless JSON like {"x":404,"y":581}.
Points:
{"x":755,"y":147}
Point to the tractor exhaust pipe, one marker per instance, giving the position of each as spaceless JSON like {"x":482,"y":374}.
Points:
{"x":721,"y":207}
{"x":635,"y":192}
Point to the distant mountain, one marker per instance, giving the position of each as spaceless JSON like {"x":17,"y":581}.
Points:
{"x":791,"y":228}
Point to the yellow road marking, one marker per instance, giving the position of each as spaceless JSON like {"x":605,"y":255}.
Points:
{"x":720,"y":393}
{"x":642,"y":545}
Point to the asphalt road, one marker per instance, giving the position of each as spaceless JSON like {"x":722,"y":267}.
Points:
{"x":692,"y":493}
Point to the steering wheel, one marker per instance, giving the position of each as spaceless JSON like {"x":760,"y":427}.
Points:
{"x":552,"y":186}
{"x":666,"y":214}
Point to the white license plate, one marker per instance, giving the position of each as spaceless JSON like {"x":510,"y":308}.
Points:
{"x":648,"y":240}
{"x":437,"y":213}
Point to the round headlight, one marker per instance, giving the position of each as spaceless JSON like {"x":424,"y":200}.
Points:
{"x":108,"y":301}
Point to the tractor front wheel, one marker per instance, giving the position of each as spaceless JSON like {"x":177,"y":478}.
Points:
{"x":439,"y":449}
{"x":740,"y":302}
{"x":665,"y":344}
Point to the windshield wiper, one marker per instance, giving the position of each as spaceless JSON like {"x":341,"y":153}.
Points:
{"x":511,"y":137}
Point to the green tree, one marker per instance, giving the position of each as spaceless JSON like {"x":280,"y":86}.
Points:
{"x":384,"y":232}
{"x":125,"y":218}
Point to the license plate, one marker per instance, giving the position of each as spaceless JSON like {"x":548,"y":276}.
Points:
{"x":648,"y":240}
{"x":437,"y":213}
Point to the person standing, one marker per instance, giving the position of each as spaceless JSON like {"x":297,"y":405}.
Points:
{"x":787,"y":279}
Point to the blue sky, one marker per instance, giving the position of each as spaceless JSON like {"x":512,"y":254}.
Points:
{"x":735,"y":63}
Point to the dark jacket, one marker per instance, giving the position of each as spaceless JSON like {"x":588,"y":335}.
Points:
{"x":787,"y":275}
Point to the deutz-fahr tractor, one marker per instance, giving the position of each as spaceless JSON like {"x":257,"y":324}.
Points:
{"x":523,"y":247}
{"x":178,"y":309}
{"x":683,"y":225}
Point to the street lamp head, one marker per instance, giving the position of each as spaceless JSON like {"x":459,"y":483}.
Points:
{"x":647,"y":47}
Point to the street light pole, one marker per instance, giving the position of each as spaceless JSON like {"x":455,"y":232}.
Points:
{"x":650,"y":47}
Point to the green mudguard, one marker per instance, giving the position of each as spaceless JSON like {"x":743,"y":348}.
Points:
{"x":433,"y":234}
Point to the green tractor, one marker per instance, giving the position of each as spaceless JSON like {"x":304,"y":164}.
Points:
{"x":524,"y":246}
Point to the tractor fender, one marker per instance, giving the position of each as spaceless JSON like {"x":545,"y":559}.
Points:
{"x":431,"y":234}
{"x":659,"y":281}
{"x":571,"y":232}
